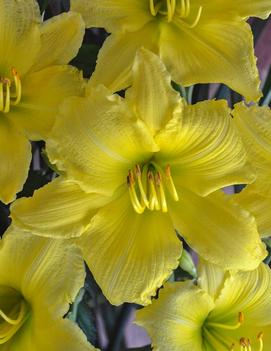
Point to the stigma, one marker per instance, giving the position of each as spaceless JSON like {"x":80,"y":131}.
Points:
{"x":10,"y":91}
{"x":245,"y":344}
{"x":181,"y":9}
{"x":148,"y":188}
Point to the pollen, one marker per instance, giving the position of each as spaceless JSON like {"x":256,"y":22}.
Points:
{"x":148,"y":187}
{"x":180,"y":9}
{"x":10,"y":91}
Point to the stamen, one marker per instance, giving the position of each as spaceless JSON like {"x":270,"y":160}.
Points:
{"x":140,"y":185}
{"x":187,"y":8}
{"x":171,"y":4}
{"x":18,"y":87}
{"x":170,"y":184}
{"x":14,"y":321}
{"x":133,"y":195}
{"x":161,"y":192}
{"x":7,"y":96}
{"x":154,"y":203}
{"x":152,"y":8}
{"x":196,"y":21}
{"x":260,"y":338}
{"x":1,"y":96}
{"x":229,"y":327}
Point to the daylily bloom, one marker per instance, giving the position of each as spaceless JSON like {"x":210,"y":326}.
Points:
{"x":200,"y":41}
{"x":34,"y":79}
{"x":39,"y":279}
{"x":134,"y":170}
{"x":254,"y":125}
{"x":225,"y":311}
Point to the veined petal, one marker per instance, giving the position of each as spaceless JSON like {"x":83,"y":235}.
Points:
{"x":174,"y":321}
{"x":61,"y":38}
{"x":114,"y":70}
{"x":248,"y":292}
{"x":97,"y":139}
{"x":218,"y":229}
{"x":49,"y":276}
{"x":211,"y":278}
{"x":43,"y":92}
{"x":130,"y":255}
{"x":60,"y":209}
{"x":19,"y":35}
{"x":215,"y":51}
{"x":151,"y":93}
{"x":15,"y":158}
{"x":114,"y":15}
{"x":259,"y":206}
{"x":203,"y":149}
{"x":254,"y":125}
{"x":242,"y":8}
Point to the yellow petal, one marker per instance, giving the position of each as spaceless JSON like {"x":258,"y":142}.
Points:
{"x":218,"y":229}
{"x":231,"y":8}
{"x":174,"y":321}
{"x":151,"y":93}
{"x":97,"y":139}
{"x":259,"y":206}
{"x":113,"y":15}
{"x":49,"y":276}
{"x":130,"y":255}
{"x":43,"y":92}
{"x":59,"y":209}
{"x":205,"y":152}
{"x":215,"y":51}
{"x":61,"y":38}
{"x":254,"y":125}
{"x":211,"y":278}
{"x":114,"y":70}
{"x":248,"y":292}
{"x":19,"y":35}
{"x":15,"y":157}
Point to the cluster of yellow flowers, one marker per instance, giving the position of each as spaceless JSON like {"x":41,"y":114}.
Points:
{"x":134,"y":170}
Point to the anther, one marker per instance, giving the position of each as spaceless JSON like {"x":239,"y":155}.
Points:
{"x":161,"y":192}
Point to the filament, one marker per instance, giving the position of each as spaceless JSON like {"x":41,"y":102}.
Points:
{"x":229,"y":327}
{"x":6,"y":87}
{"x":245,"y":344}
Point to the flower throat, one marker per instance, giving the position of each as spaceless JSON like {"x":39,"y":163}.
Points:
{"x":179,"y":8}
{"x":148,"y":185}
{"x":10,"y":91}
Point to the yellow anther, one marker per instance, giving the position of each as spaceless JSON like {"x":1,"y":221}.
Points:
{"x":133,"y":195}
{"x":140,"y":185}
{"x":230,"y":327}
{"x":161,"y":192}
{"x":170,"y":184}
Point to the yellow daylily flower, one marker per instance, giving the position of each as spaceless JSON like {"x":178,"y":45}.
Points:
{"x":254,"y":125}
{"x":34,"y":79}
{"x":39,"y":279}
{"x":225,"y":311}
{"x":137,"y":168}
{"x":200,"y":41}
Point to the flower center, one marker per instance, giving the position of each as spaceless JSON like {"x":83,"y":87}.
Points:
{"x":179,"y":8}
{"x":245,"y":344}
{"x":14,"y":311}
{"x":10,"y":91}
{"x":147,"y":187}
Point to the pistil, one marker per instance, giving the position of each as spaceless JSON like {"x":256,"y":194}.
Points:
{"x":227,"y":326}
